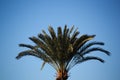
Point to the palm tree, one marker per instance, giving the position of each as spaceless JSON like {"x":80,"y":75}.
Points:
{"x":62,"y":50}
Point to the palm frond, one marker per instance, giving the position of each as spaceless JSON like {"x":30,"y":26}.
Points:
{"x":59,"y":33}
{"x":27,"y":45}
{"x":86,"y":46}
{"x":74,"y":36}
{"x":41,"y":37}
{"x":36,"y":53}
{"x":91,"y":58}
{"x":71,"y":30}
{"x":43,"y":64}
{"x":65,"y":30}
{"x":27,"y":52}
{"x":51,"y":45}
{"x":65,"y":33}
{"x":95,"y":49}
{"x":73,"y":61}
{"x":40,"y":44}
{"x":81,"y":41}
{"x":77,"y":59}
{"x":65,"y":41}
{"x":52,"y":32}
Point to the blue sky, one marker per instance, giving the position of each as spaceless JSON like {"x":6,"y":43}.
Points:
{"x":20,"y":19}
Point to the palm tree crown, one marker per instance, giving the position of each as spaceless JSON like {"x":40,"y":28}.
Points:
{"x":62,"y":50}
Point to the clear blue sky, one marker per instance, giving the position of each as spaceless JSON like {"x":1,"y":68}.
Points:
{"x":20,"y":19}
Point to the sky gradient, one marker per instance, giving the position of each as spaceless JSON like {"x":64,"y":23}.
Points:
{"x":20,"y":19}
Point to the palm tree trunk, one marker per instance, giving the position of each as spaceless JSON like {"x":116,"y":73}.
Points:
{"x":62,"y":75}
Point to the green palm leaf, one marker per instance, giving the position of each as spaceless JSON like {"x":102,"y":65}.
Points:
{"x":95,"y":49}
{"x":27,"y":52}
{"x":84,"y":47}
{"x":81,"y":41}
{"x":52,"y":32}
{"x":91,"y":58}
